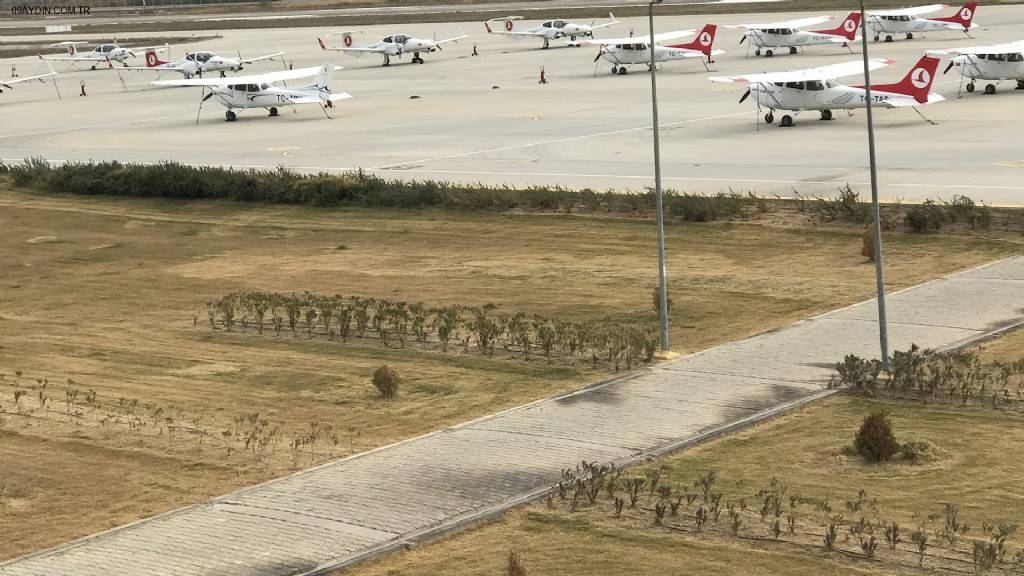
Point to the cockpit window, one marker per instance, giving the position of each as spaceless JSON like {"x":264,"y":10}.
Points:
{"x":1015,"y":57}
{"x":559,"y":23}
{"x":795,"y":85}
{"x":546,"y":25}
{"x":265,"y":86}
{"x":401,"y":39}
{"x":815,"y":85}
{"x":388,"y":39}
{"x":203,"y":56}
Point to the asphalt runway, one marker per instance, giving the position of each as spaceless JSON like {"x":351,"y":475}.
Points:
{"x":486,"y":118}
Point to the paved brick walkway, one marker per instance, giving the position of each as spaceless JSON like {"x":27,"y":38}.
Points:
{"x":340,"y":512}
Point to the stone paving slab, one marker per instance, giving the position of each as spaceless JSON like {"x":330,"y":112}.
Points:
{"x":341,"y":512}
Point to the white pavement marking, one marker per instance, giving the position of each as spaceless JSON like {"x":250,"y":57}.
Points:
{"x":346,"y":511}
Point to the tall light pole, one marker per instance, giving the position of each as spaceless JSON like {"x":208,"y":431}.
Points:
{"x":660,"y":213}
{"x":883,"y":336}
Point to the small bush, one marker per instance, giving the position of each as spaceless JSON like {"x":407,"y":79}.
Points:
{"x":875,"y":441}
{"x":386,"y":380}
{"x":516,"y":567}
{"x":925,"y":217}
{"x":918,"y":451}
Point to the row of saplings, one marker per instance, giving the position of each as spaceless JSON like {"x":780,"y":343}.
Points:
{"x":853,"y":528}
{"x":395,"y":323}
{"x":958,"y":377}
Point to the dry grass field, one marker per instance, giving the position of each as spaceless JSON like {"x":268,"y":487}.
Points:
{"x":128,"y":406}
{"x":974,"y":470}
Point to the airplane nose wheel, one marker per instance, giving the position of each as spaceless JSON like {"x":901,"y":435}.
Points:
{"x":230,"y":116}
{"x":622,"y":70}
{"x":273,"y":111}
{"x":970,"y":87}
{"x":769,"y":118}
{"x":910,"y":36}
{"x":769,"y":53}
{"x":826,"y":114}
{"x":786,"y":121}
{"x":876,"y":37}
{"x":990,"y":88}
{"x":757,"y":52}
{"x":888,"y":37}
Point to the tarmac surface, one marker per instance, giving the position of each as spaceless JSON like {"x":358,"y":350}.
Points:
{"x":486,"y":118}
{"x":350,"y":510}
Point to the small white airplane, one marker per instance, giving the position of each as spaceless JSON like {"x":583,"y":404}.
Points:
{"x":259,"y":91}
{"x":550,"y":30}
{"x":393,"y":45}
{"x":791,"y":34}
{"x":908,"y":21}
{"x":998,"y":62}
{"x":625,"y":52}
{"x":9,"y":84}
{"x":816,"y":89}
{"x":196,"y":63}
{"x":109,"y":53}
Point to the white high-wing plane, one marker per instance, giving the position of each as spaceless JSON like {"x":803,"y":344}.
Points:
{"x":9,"y":84}
{"x":550,"y":30}
{"x":791,"y":34}
{"x":196,"y":63}
{"x":259,"y":91}
{"x":110,"y":52}
{"x":393,"y":45}
{"x":624,"y":52}
{"x":816,"y":89}
{"x":998,"y":62}
{"x":908,"y":21}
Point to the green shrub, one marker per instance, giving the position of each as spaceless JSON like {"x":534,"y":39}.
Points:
{"x":918,"y":451}
{"x":386,"y":380}
{"x":875,"y":441}
{"x":925,"y":217}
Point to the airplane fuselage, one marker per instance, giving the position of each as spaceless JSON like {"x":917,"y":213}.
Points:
{"x":789,"y":37}
{"x":243,"y":96}
{"x":991,"y":66}
{"x":631,"y":54}
{"x":889,"y":25}
{"x":819,"y":95}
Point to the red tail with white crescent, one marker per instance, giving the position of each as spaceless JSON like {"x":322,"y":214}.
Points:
{"x":847,"y":29}
{"x":703,"y":42}
{"x":916,"y":83}
{"x":963,"y":16}
{"x":153,"y":60}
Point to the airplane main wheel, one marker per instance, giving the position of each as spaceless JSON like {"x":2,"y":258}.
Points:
{"x":888,"y":37}
{"x":273,"y":111}
{"x":93,"y":67}
{"x":769,"y":118}
{"x":769,"y":53}
{"x":990,"y":88}
{"x":615,"y":69}
{"x":786,"y":121}
{"x":792,"y":49}
{"x":622,"y":70}
{"x":876,"y":37}
{"x":910,"y":36}
{"x":826,"y":114}
{"x":1020,"y":84}
{"x":970,"y":87}
{"x":757,"y":52}
{"x":230,"y":116}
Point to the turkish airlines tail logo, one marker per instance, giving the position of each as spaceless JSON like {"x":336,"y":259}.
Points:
{"x":704,"y":41}
{"x":963,"y":17}
{"x":152,"y":59}
{"x":917,"y":82}
{"x":848,"y":29}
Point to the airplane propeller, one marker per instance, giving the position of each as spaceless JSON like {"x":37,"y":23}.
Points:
{"x":951,"y":64}
{"x":742,"y":38}
{"x":201,"y":100}
{"x":600,"y":52}
{"x":745,"y":96}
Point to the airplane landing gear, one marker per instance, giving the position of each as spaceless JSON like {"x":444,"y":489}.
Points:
{"x":786,"y":121}
{"x":273,"y":111}
{"x":230,"y":116}
{"x":757,"y":52}
{"x":769,"y":53}
{"x":223,"y":74}
{"x":1020,"y":84}
{"x":792,"y":49}
{"x":970,"y":87}
{"x":826,"y":114}
{"x":876,"y":37}
{"x":622,"y":71}
{"x":888,"y":37}
{"x":387,"y":60}
{"x":416,"y":58}
{"x":990,"y":88}
{"x":769,"y":118}
{"x":547,"y":44}
{"x":93,"y":67}
{"x":910,"y":35}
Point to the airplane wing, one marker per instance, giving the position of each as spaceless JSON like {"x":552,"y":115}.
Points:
{"x":663,"y":37}
{"x":829,"y":72}
{"x":160,"y":68}
{"x":611,"y":22}
{"x":356,"y":50}
{"x":800,"y":23}
{"x":1008,"y":48}
{"x":915,"y":11}
{"x":452,"y":39}
{"x":161,"y":48}
{"x":266,"y":57}
{"x":10,"y":83}
{"x":87,"y":57}
{"x":279,"y":76}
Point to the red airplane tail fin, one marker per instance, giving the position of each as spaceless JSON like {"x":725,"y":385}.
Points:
{"x":847,"y":28}
{"x":703,"y":42}
{"x":963,"y":16}
{"x":153,"y":60}
{"x":917,"y":82}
